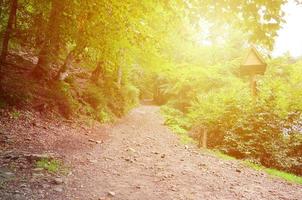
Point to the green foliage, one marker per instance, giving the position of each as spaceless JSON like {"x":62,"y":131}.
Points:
{"x":286,"y":176}
{"x":62,"y":95}
{"x":108,"y":102}
{"x":267,"y":130}
{"x":15,"y":114}
{"x":51,"y":165}
{"x":104,"y":116}
{"x":175,"y":119}
{"x":139,"y":39}
{"x":176,"y":124}
{"x":221,"y":155}
{"x":131,"y":96}
{"x":94,"y":96}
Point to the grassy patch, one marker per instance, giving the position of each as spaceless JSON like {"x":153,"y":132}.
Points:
{"x":284,"y":175}
{"x":253,"y":165}
{"x":275,"y":173}
{"x":15,"y":114}
{"x":185,"y":139}
{"x":182,"y":134}
{"x":3,"y":184}
{"x":50,"y":165}
{"x":221,"y":155}
{"x":174,"y":126}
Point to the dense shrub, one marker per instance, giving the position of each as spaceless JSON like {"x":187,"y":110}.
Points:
{"x":94,"y":96}
{"x":62,"y":94}
{"x":267,"y":131}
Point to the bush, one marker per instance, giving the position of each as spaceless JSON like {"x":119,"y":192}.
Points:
{"x":104,"y":115}
{"x":62,"y":94}
{"x":131,"y":96}
{"x":267,"y":131}
{"x":94,"y":96}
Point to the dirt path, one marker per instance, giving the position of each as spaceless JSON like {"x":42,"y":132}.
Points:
{"x":144,"y":160}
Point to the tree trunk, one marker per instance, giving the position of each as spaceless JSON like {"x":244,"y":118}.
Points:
{"x":6,"y":38}
{"x":51,"y":41}
{"x":9,"y":29}
{"x":62,"y":73}
{"x":78,"y":49}
{"x":97,"y":72}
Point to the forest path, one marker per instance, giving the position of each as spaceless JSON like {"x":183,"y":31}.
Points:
{"x":143,"y":159}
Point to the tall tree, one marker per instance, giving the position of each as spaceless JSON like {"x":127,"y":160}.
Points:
{"x":51,"y":42}
{"x":6,"y":38}
{"x":9,"y":29}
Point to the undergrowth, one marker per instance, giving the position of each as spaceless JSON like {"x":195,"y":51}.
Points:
{"x":171,"y":120}
{"x":51,"y":165}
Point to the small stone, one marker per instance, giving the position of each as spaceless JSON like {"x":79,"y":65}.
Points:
{"x":38,"y":174}
{"x":38,"y":169}
{"x":58,"y":181}
{"x":110,"y":193}
{"x":93,"y":161}
{"x":9,"y":174}
{"x":131,"y":149}
{"x":58,"y":189}
{"x":18,"y":197}
{"x":104,"y":198}
{"x":238,"y":170}
{"x":163,"y":156}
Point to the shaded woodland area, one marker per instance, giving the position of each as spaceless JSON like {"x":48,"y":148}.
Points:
{"x":98,"y":59}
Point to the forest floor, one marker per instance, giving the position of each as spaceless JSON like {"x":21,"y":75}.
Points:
{"x":135,"y":158}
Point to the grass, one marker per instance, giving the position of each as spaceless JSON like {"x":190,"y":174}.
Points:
{"x":50,"y":165}
{"x":252,"y":165}
{"x":182,"y":134}
{"x":175,"y":128}
{"x":185,"y":139}
{"x":284,"y":175}
{"x":274,"y":172}
{"x":221,"y":155}
{"x":15,"y":114}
